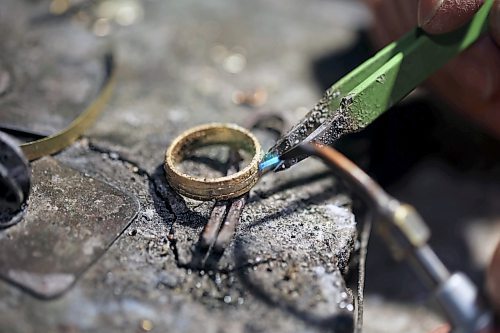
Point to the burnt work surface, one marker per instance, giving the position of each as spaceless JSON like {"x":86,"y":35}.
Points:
{"x":284,"y":266}
{"x":285,"y":261}
{"x":70,"y":222}
{"x":180,"y":64}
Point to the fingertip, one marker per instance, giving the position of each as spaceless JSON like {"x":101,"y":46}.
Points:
{"x":427,"y":9}
{"x":441,"y":16}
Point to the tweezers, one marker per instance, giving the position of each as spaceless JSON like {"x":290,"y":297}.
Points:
{"x":365,"y":93}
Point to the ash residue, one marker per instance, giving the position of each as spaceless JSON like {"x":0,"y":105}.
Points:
{"x":286,"y":261}
{"x":335,"y":123}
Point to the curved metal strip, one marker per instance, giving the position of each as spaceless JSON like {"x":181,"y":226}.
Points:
{"x":52,"y":144}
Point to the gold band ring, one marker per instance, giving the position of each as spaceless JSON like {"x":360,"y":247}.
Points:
{"x":219,"y":188}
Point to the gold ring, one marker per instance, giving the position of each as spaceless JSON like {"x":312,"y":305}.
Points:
{"x":220,"y":188}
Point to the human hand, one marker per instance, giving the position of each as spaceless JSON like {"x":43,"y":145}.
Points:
{"x":471,"y":82}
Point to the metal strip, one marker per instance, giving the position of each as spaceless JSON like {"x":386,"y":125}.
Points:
{"x":52,"y":144}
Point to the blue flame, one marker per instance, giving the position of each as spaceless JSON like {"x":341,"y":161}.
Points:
{"x":269,"y":163}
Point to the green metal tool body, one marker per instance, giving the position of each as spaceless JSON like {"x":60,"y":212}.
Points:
{"x":365,"y":93}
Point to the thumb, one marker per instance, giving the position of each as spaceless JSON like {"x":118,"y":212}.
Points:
{"x":440,"y":16}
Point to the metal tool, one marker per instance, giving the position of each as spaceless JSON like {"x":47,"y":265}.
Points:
{"x":15,"y":181}
{"x":224,"y":219}
{"x":361,"y":96}
{"x":225,"y":215}
{"x":407,"y":236}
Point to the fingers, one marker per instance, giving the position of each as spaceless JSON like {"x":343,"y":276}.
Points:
{"x":479,"y":69}
{"x":471,"y":84}
{"x":495,"y":22}
{"x":393,"y":18}
{"x":474,"y":73}
{"x":385,"y":22}
{"x":440,"y":16}
{"x":406,"y":12}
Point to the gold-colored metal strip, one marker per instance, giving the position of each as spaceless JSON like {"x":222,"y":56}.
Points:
{"x":220,"y":188}
{"x":52,"y":144}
